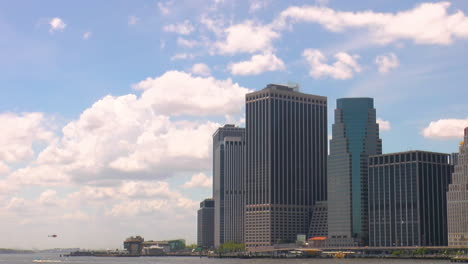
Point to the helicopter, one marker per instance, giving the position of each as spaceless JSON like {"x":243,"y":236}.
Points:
{"x":54,"y":236}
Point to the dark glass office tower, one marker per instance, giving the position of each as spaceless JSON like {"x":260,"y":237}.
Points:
{"x":205,"y":223}
{"x":286,"y":163}
{"x":228,"y":170}
{"x":457,"y":197}
{"x":355,"y":136}
{"x":407,"y":199}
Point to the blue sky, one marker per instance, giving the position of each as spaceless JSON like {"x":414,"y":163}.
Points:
{"x":109,"y":106}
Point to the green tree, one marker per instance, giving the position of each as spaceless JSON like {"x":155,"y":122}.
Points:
{"x":231,"y":246}
{"x":420,"y":251}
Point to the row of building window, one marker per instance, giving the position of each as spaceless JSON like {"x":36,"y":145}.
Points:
{"x":409,"y":157}
{"x":274,"y":95}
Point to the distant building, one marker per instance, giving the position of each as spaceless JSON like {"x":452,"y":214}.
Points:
{"x":228,"y":180}
{"x":355,"y":136}
{"x":153,"y":251}
{"x":134,"y":245}
{"x":457,"y":197}
{"x":407,"y":199}
{"x":286,"y":163}
{"x":205,"y":223}
{"x":138,"y":246}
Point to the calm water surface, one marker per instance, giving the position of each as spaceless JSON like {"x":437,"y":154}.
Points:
{"x":28,"y":258}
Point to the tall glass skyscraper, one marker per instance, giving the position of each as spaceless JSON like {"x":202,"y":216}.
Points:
{"x":228,"y":179}
{"x":355,"y":136}
{"x":457,"y":199}
{"x":286,"y":163}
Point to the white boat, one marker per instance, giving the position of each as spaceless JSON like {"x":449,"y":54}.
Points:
{"x":46,"y":261}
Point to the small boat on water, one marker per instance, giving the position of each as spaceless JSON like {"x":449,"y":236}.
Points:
{"x":46,"y":261}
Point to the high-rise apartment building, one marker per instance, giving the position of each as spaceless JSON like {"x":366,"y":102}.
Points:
{"x":228,"y":178}
{"x":286,"y":153}
{"x":407,"y":199}
{"x":355,"y":136}
{"x":205,"y":224}
{"x":457,"y":197}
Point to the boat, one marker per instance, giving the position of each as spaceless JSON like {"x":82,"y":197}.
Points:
{"x":46,"y":261}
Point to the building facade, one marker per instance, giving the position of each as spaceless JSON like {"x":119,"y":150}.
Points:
{"x":355,"y":136}
{"x":407,"y":199}
{"x":234,"y":177}
{"x":319,"y":221}
{"x":134,"y":245}
{"x":205,"y":224}
{"x":457,"y":197}
{"x":286,"y":163}
{"x":228,"y":177}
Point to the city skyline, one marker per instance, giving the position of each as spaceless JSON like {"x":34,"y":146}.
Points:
{"x":107,"y":120}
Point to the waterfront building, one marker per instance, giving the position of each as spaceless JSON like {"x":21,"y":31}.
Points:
{"x":205,"y":224}
{"x":234,"y":177}
{"x":228,"y":179}
{"x":319,"y":221}
{"x":407,"y":199}
{"x":133,"y":245}
{"x":286,"y":133}
{"x":457,"y":197}
{"x":355,"y":136}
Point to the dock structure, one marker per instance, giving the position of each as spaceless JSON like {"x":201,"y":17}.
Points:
{"x":459,"y":259}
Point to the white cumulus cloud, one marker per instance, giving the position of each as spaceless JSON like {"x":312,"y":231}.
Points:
{"x":187,"y":42}
{"x":20,"y":132}
{"x":164,"y":7}
{"x":445,"y":129}
{"x":344,"y":67}
{"x":387,"y":62}
{"x":201,"y":69}
{"x":383,"y":124}
{"x":4,"y":169}
{"x":76,"y":216}
{"x":247,"y":37}
{"x":257,"y":64}
{"x":427,"y":23}
{"x":183,"y":28}
{"x":128,"y":136}
{"x":199,"y":180}
{"x":176,"y":93}
{"x":56,"y":24}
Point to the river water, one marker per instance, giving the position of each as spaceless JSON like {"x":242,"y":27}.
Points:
{"x":28,"y":258}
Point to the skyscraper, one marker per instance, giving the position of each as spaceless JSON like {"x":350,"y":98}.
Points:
{"x":355,"y":136}
{"x":205,"y":224}
{"x":234,"y":177}
{"x":286,"y":163}
{"x":228,"y":173}
{"x":407,"y":199}
{"x":457,"y":197}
